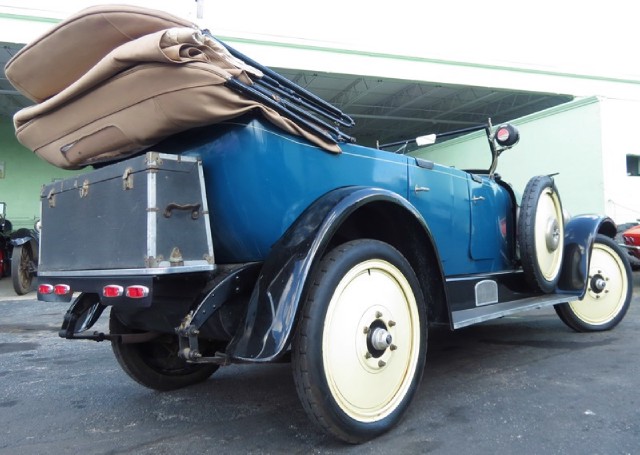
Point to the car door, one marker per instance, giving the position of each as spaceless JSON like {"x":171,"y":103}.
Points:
{"x":491,"y":221}
{"x":440,"y":194}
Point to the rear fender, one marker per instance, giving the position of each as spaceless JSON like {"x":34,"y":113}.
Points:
{"x":274,"y":305}
{"x":23,"y":236}
{"x":580,"y":234}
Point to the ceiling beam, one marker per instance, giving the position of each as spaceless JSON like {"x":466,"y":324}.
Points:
{"x":411,"y":119}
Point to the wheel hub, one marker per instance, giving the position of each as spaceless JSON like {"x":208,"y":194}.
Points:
{"x":598,"y":284}
{"x":552,"y":234}
{"x":381,"y":339}
{"x":376,"y":345}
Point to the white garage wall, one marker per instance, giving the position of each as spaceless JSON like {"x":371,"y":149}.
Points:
{"x":565,"y":139}
{"x":620,"y":126}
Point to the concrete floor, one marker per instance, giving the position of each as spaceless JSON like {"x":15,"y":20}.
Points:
{"x":522,"y":384}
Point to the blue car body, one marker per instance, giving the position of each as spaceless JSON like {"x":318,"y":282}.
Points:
{"x":260,"y":180}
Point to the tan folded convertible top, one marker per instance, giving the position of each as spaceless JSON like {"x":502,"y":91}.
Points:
{"x":113,"y":81}
{"x":54,"y":61}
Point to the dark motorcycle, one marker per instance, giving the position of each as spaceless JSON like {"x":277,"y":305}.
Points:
{"x":24,"y":258}
{"x":5,"y":242}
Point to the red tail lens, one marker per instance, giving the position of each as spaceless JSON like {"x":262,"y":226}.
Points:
{"x":45,"y":289}
{"x":503,"y":134}
{"x":137,"y":292}
{"x":61,"y":289}
{"x":112,"y":290}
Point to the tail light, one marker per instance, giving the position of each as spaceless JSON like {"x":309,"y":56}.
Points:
{"x":137,"y":292}
{"x":132,"y":292}
{"x":45,"y":289}
{"x":58,"y":289}
{"x":61,"y":289}
{"x":112,"y":290}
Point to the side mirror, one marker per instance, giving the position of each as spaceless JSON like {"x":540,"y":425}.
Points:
{"x":3,"y":210}
{"x":507,"y":135}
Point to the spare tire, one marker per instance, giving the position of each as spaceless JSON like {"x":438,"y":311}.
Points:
{"x":541,"y":234}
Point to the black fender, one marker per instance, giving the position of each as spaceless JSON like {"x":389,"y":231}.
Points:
{"x":22,"y":236}
{"x":579,"y":237}
{"x":272,"y":310}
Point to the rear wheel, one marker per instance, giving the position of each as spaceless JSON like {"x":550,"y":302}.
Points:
{"x":155,"y":364}
{"x":359,"y":351}
{"x":609,"y":291}
{"x":21,"y":266}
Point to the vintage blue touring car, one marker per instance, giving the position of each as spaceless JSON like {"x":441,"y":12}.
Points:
{"x":244,"y":242}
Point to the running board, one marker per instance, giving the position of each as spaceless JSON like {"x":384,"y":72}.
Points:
{"x":464,"y":318}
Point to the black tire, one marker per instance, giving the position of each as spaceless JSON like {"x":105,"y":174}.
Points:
{"x":609,"y":291}
{"x":541,"y":234}
{"x":360,"y":347}
{"x":21,"y":276}
{"x":155,"y":364}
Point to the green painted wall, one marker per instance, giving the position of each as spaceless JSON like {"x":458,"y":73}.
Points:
{"x":24,"y":175}
{"x":565,"y":139}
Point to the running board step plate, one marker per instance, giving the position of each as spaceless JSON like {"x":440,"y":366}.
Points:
{"x":464,"y":318}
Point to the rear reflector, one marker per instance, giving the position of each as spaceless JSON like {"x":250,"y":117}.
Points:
{"x":45,"y":289}
{"x":112,"y":290}
{"x":61,"y":289}
{"x":137,"y":292}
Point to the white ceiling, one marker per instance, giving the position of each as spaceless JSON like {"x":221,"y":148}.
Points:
{"x":385,"y":110}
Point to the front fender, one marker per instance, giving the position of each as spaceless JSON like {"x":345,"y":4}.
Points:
{"x":271,"y":314}
{"x":580,"y":234}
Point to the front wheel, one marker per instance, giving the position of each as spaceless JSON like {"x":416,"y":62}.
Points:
{"x":609,"y":291}
{"x":21,"y":268}
{"x":359,"y":350}
{"x":155,"y":364}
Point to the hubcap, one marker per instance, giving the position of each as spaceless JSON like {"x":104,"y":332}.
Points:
{"x":598,"y":283}
{"x":381,"y":339}
{"x":553,"y":234}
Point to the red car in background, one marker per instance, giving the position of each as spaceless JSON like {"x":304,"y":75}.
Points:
{"x":631,"y":239}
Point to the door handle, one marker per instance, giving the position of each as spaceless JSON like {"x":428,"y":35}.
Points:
{"x":477,"y":198}
{"x":419,"y":189}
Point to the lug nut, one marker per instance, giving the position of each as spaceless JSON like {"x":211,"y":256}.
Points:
{"x":381,"y":363}
{"x":393,"y":347}
{"x":392,"y":323}
{"x":365,"y":330}
{"x":378,"y":315}
{"x":367,"y":355}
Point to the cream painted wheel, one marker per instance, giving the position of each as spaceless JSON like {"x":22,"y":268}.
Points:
{"x":371,"y":339}
{"x":608,"y":293}
{"x":541,"y":234}
{"x":359,"y":353}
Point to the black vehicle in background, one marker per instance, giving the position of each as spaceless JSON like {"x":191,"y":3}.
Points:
{"x":18,"y":253}
{"x":5,"y":242}
{"x":24,"y":258}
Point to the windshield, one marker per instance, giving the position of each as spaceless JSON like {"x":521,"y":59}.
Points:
{"x":468,"y":152}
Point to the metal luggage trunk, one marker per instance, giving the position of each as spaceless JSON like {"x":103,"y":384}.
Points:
{"x":146,"y":215}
